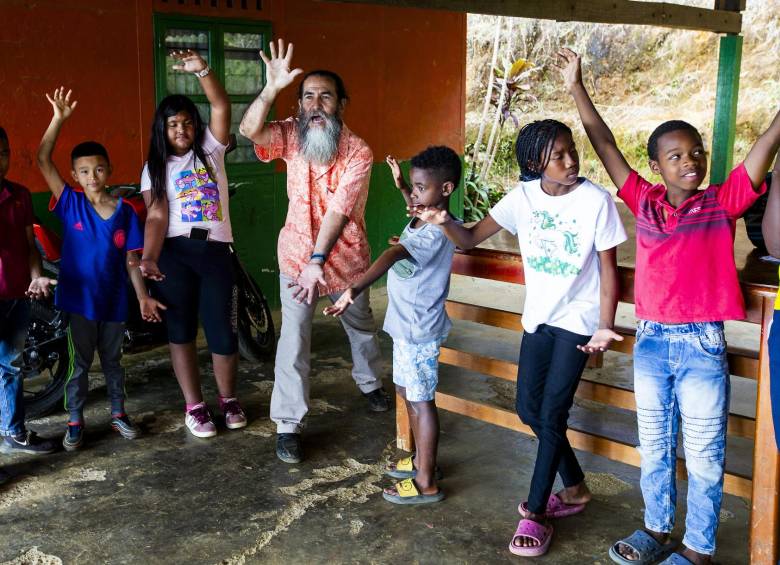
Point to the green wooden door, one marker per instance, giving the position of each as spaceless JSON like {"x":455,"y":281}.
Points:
{"x":231,"y":49}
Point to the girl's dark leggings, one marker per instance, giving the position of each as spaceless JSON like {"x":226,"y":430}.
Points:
{"x":549,"y":372}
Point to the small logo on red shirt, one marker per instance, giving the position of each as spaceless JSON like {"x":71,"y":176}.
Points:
{"x":78,"y":226}
{"x":119,"y":238}
{"x":693,"y":211}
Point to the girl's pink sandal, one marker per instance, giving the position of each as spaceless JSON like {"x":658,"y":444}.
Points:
{"x":533,"y":530}
{"x":556,"y":508}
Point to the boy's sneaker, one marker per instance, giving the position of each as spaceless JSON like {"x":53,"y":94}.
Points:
{"x":199,"y":423}
{"x":234,"y":415}
{"x":27,"y":442}
{"x":74,"y":437}
{"x":124,"y":426}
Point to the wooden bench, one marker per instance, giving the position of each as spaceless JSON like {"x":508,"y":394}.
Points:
{"x":763,"y":488}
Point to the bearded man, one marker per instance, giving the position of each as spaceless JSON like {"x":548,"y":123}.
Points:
{"x":322,"y":248}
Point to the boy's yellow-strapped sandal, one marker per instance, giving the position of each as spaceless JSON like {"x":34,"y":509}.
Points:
{"x":407,"y":493}
{"x":404,"y":469}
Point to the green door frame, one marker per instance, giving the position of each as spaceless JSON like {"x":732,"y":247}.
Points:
{"x":215,"y":27}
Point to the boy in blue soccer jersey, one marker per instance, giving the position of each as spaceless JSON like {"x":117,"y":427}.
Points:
{"x":100,"y":238}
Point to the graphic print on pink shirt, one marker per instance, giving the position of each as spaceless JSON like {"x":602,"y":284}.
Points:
{"x":199,"y":196}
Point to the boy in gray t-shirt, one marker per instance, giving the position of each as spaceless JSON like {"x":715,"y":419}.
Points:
{"x":418,"y":281}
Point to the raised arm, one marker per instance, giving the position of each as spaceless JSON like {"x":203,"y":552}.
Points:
{"x":770,"y":226}
{"x":400,"y":181}
{"x":219,"y":124}
{"x":373,"y":274}
{"x":463,"y":237}
{"x":278,"y":77}
{"x":760,"y":155}
{"x":63,"y":107}
{"x":598,"y":132}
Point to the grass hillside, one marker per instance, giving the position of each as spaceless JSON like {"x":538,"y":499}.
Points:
{"x":638,"y":76}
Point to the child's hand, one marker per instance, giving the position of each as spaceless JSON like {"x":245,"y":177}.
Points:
{"x":150,"y":270}
{"x":570,"y":66}
{"x":341,"y":305}
{"x":189,"y":61}
{"x":429,"y":214}
{"x":150,"y":309}
{"x":40,"y":287}
{"x":600,"y":341}
{"x":61,"y":104}
{"x":395,"y":169}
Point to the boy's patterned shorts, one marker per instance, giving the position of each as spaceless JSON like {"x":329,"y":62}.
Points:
{"x":416,"y":368}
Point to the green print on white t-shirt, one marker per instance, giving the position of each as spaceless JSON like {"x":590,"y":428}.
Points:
{"x":555,"y":238}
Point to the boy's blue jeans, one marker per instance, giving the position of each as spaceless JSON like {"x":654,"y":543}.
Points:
{"x":681,"y":373}
{"x":14,"y":317}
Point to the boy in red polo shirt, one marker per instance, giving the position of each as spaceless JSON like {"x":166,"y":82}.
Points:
{"x":20,"y":275}
{"x":685,"y":286}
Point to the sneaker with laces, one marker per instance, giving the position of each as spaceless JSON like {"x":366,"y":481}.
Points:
{"x":126,"y":428}
{"x":234,"y":415}
{"x":199,"y":423}
{"x":27,"y":442}
{"x":74,"y":437}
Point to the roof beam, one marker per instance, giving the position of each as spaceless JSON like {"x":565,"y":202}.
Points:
{"x":662,"y":14}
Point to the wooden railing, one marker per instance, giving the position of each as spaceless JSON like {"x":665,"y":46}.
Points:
{"x":764,"y":486}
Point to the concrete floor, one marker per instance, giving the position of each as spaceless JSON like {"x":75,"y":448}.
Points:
{"x":171,"y":498}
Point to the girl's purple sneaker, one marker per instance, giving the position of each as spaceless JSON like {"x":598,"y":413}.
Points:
{"x":198,"y":421}
{"x":234,"y":415}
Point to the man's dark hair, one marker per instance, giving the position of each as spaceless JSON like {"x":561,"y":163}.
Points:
{"x":89,"y":149}
{"x":442,"y":160}
{"x":3,"y":135}
{"x":341,"y":91}
{"x":534,"y":145}
{"x":664,"y":128}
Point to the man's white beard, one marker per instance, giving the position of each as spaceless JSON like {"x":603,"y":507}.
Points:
{"x":319,"y":144}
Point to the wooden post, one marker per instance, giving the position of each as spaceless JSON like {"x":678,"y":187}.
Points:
{"x":765,"y":513}
{"x":726,"y":107}
{"x":403,"y":430}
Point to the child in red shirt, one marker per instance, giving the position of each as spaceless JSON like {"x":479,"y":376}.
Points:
{"x":685,"y":286}
{"x":20,"y":276}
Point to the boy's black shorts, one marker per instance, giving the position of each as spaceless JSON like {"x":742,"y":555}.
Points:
{"x":199,"y":279}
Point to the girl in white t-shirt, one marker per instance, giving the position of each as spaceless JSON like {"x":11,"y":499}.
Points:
{"x":187,"y":241}
{"x":568,"y":229}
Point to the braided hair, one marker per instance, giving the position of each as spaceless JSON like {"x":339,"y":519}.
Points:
{"x":534,"y":145}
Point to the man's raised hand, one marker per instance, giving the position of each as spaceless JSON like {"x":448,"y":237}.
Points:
{"x":61,"y":103}
{"x":278,"y":73}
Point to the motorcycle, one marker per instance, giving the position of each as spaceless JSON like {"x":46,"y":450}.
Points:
{"x":46,"y":358}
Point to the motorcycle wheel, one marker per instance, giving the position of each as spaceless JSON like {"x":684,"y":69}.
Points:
{"x":46,"y":360}
{"x":256,"y":337}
